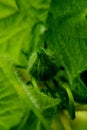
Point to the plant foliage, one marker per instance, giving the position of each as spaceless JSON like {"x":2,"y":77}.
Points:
{"x":43,"y":65}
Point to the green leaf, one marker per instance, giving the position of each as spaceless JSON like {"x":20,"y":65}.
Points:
{"x":13,"y":32}
{"x":12,"y":107}
{"x":18,"y":28}
{"x":7,"y":8}
{"x":66,"y":37}
{"x":30,"y":99}
{"x":36,"y":9}
{"x":80,"y":89}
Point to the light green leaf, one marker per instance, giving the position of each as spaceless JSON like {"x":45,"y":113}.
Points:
{"x":36,"y":9}
{"x":7,"y":8}
{"x":21,"y":96}
{"x":12,"y":107}
{"x":17,"y":28}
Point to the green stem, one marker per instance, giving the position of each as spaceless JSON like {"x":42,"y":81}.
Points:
{"x":71,"y":106}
